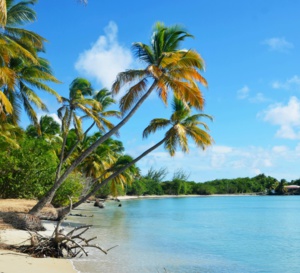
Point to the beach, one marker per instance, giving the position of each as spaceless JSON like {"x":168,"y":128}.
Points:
{"x":14,"y":262}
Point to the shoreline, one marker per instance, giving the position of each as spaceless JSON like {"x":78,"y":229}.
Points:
{"x":11,"y":261}
{"x":135,"y":197}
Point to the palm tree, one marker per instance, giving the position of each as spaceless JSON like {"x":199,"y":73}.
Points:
{"x":49,"y":128}
{"x":21,"y":69}
{"x":169,"y":68}
{"x":104,"y":97}
{"x":183,"y":126}
{"x":27,"y":78}
{"x":68,"y":113}
{"x":15,"y":41}
{"x":9,"y":135}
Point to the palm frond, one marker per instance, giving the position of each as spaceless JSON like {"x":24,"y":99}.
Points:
{"x":155,"y":124}
{"x":126,"y":77}
{"x":143,"y":52}
{"x":134,"y":93}
{"x":5,"y":104}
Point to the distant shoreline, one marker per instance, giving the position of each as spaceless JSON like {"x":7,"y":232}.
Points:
{"x":136,"y":197}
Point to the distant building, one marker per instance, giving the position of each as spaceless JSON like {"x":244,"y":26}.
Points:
{"x":292,"y":189}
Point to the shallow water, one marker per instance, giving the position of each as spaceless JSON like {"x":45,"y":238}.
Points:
{"x":237,"y":234}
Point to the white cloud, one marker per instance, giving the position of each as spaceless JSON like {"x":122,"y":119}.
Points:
{"x":106,"y":58}
{"x":278,"y":44}
{"x":243,"y":93}
{"x":219,"y":149}
{"x":292,"y":83}
{"x":279,"y":149}
{"x":287,"y":117}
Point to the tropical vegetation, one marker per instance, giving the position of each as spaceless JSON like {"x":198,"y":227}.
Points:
{"x":78,"y":154}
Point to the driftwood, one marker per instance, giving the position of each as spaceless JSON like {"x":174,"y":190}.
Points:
{"x":61,"y":244}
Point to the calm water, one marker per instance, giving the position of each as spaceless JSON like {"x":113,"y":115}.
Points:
{"x":203,"y":234}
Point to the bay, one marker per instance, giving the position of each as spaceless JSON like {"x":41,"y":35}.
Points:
{"x":214,"y":234}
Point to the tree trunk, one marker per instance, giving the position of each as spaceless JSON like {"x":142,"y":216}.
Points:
{"x":49,"y":195}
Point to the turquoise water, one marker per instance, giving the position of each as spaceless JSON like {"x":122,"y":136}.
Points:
{"x":237,"y":234}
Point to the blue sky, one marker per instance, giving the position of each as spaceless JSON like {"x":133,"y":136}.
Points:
{"x":251,"y":51}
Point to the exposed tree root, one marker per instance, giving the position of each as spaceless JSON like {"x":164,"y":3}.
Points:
{"x":61,"y":244}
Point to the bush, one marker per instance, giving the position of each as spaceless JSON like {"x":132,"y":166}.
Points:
{"x":27,"y":172}
{"x":72,"y":187}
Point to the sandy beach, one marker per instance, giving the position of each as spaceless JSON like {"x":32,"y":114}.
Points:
{"x":13,"y":262}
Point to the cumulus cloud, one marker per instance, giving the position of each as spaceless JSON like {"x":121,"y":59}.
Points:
{"x":287,"y":117}
{"x":292,"y":83}
{"x":278,"y":44}
{"x":106,"y":58}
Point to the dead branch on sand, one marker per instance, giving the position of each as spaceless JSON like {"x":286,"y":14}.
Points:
{"x":60,"y":244}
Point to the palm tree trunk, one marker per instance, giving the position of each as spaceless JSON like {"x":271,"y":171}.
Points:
{"x":63,"y":146}
{"x":105,"y":181}
{"x":48,"y":197}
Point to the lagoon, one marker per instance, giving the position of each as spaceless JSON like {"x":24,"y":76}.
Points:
{"x":214,"y":234}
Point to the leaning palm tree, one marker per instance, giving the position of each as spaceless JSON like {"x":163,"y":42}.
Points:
{"x":183,"y":126}
{"x":77,"y":102}
{"x":168,"y":69}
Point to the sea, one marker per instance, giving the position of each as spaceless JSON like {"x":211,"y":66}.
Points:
{"x":213,"y":234}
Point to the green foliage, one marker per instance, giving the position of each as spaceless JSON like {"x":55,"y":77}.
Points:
{"x":27,"y":172}
{"x":138,"y":188}
{"x":110,"y":189}
{"x":180,"y":186}
{"x":72,"y":187}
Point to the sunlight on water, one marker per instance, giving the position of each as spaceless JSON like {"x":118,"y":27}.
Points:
{"x":203,"y":234}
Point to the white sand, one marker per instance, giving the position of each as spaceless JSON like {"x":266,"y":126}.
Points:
{"x":12,"y":262}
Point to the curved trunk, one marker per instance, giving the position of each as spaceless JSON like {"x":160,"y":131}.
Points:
{"x":49,"y":195}
{"x":105,"y":181}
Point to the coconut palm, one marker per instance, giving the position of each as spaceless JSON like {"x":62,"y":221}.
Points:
{"x":169,"y":68}
{"x":104,"y":97}
{"x":48,"y":126}
{"x":21,"y":70}
{"x":102,"y":158}
{"x":9,"y":135}
{"x":28,"y":78}
{"x":183,"y":126}
{"x":15,"y":41}
{"x":76,"y":103}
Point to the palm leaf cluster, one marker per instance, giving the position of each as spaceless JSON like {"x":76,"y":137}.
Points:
{"x":183,"y":126}
{"x":22,"y":71}
{"x":169,"y":68}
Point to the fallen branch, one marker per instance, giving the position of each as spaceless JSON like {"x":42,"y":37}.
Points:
{"x":61,"y":245}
